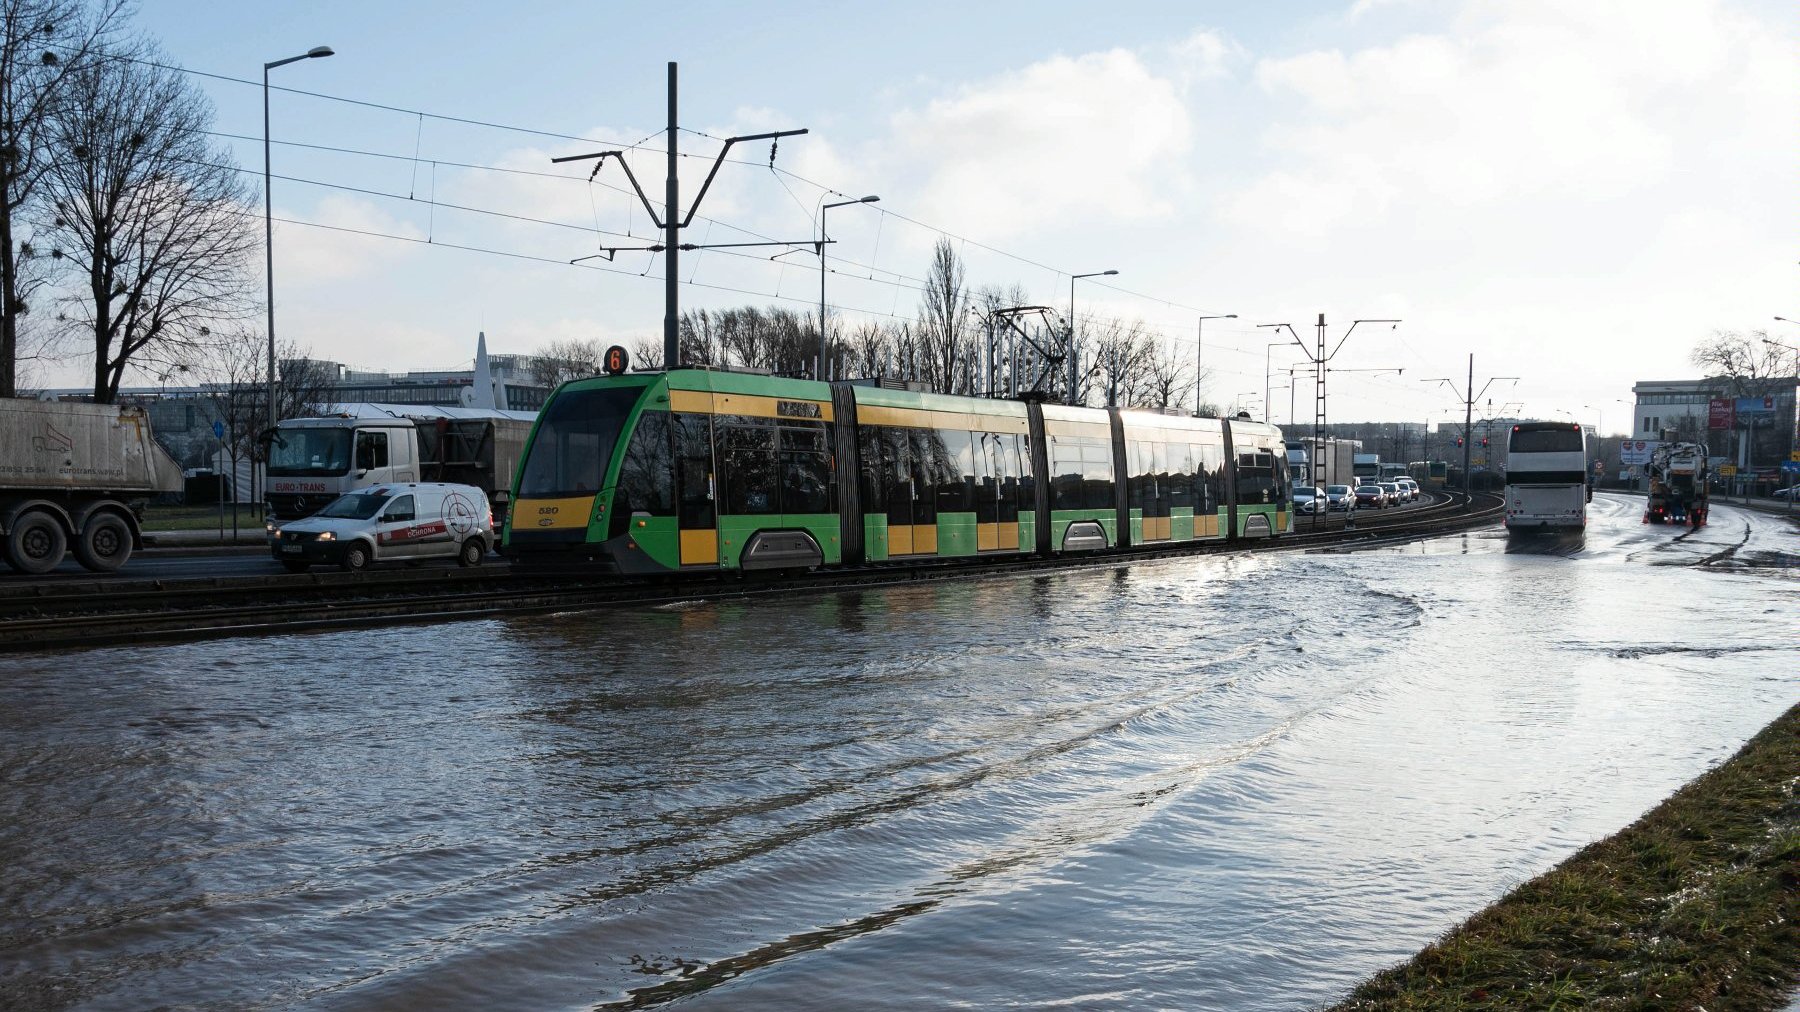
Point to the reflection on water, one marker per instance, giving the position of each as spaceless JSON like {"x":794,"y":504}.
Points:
{"x":1235,"y":782}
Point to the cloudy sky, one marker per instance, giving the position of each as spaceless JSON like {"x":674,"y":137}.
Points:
{"x":1576,"y":193}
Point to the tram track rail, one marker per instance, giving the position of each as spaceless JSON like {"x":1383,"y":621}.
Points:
{"x":61,"y":615}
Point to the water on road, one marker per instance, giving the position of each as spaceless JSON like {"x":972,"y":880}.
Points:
{"x":1236,"y":782}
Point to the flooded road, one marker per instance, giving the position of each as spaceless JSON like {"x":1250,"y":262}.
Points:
{"x":1238,"y":782}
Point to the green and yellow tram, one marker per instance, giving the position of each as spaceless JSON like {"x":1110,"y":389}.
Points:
{"x":699,"y":469}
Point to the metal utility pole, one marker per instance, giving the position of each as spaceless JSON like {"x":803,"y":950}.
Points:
{"x":672,"y":221}
{"x":1320,"y":361}
{"x":1469,"y":399}
{"x":671,"y":240}
{"x":1200,"y":350}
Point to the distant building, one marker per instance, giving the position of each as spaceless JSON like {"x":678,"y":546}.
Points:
{"x":1756,"y":440}
{"x":183,"y":417}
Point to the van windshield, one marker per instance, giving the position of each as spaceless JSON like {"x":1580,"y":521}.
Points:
{"x":355,"y":506}
{"x":298,"y":453}
{"x":574,"y":441}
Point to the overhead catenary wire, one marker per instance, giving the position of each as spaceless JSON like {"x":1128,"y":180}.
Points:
{"x":421,"y":115}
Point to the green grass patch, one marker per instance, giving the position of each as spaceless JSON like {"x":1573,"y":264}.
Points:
{"x":200,"y":518}
{"x":1694,"y":906}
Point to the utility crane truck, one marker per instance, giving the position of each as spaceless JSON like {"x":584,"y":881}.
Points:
{"x":1678,"y":493}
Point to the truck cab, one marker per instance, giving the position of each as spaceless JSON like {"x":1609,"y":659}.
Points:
{"x":312,"y":461}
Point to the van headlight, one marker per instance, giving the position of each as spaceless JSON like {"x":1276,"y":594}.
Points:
{"x":328,"y":536}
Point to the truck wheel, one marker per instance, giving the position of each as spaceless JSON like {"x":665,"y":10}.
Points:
{"x":356,"y":557}
{"x":36,"y":543}
{"x":471,"y":554}
{"x":105,"y":543}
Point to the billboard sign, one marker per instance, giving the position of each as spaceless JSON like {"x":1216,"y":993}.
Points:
{"x":1720,"y":413}
{"x":1755,"y":406}
{"x":1636,"y":451}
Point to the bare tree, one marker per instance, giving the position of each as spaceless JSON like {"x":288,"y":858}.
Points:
{"x":150,"y":214}
{"x":560,"y":361}
{"x":231,"y":371}
{"x":944,"y":323}
{"x":1166,"y":380}
{"x":1749,"y":364}
{"x":41,"y":42}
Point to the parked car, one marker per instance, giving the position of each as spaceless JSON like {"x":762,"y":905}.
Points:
{"x":1394,"y":494}
{"x":1340,"y":498}
{"x":405,"y":522}
{"x":1307,"y":497}
{"x":1372,"y":496}
{"x":1791,"y":492}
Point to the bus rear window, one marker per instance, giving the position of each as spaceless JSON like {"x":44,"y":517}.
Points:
{"x":574,"y":442}
{"x":1547,"y":441}
{"x":1546,"y":478}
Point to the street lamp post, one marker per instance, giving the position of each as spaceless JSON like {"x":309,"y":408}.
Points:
{"x":268,"y":213}
{"x":819,"y":371}
{"x":1199,"y":350}
{"x":1071,"y":350}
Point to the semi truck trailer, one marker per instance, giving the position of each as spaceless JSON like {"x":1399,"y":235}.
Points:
{"x":75,"y":477}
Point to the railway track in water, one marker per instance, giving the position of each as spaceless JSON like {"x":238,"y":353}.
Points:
{"x":54,"y":616}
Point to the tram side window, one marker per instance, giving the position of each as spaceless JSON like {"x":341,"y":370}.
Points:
{"x":872,"y":468}
{"x":747,"y":458}
{"x":694,"y":469}
{"x":987,"y":478}
{"x":1028,"y":478}
{"x":922,"y":465}
{"x":646,"y":475}
{"x":1211,"y":457}
{"x":955,"y":472}
{"x":1182,"y":466}
{"x":1255,"y":478}
{"x":1156,"y":498}
{"x":1065,"y":473}
{"x":997,"y":463}
{"x":806,"y":481}
{"x":1097,"y":473}
{"x":1137,"y":480}
{"x":894,"y":449}
{"x":1013,"y":480}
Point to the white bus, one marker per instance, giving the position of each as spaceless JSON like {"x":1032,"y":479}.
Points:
{"x":1546,"y":476}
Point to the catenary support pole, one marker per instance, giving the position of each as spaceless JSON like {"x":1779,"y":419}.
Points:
{"x":671,"y":243}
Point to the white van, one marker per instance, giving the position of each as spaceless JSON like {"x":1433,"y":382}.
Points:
{"x":408,"y":522}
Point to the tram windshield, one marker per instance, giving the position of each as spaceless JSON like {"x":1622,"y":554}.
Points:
{"x":574,"y":442}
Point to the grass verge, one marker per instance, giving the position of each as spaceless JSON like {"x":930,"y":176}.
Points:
{"x":1694,"y":906}
{"x":200,"y":518}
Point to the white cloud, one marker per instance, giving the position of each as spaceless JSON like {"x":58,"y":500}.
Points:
{"x":307,"y":257}
{"x":1067,"y":140}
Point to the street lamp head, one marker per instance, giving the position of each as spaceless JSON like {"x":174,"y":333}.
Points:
{"x":1229,"y":316}
{"x":318,"y":51}
{"x":1108,"y":272}
{"x":870,"y":199}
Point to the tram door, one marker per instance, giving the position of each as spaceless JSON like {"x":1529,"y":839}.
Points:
{"x":697,"y":489}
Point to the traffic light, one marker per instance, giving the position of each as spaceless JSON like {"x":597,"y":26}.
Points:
{"x":1484,"y":441}
{"x":1459,"y":442}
